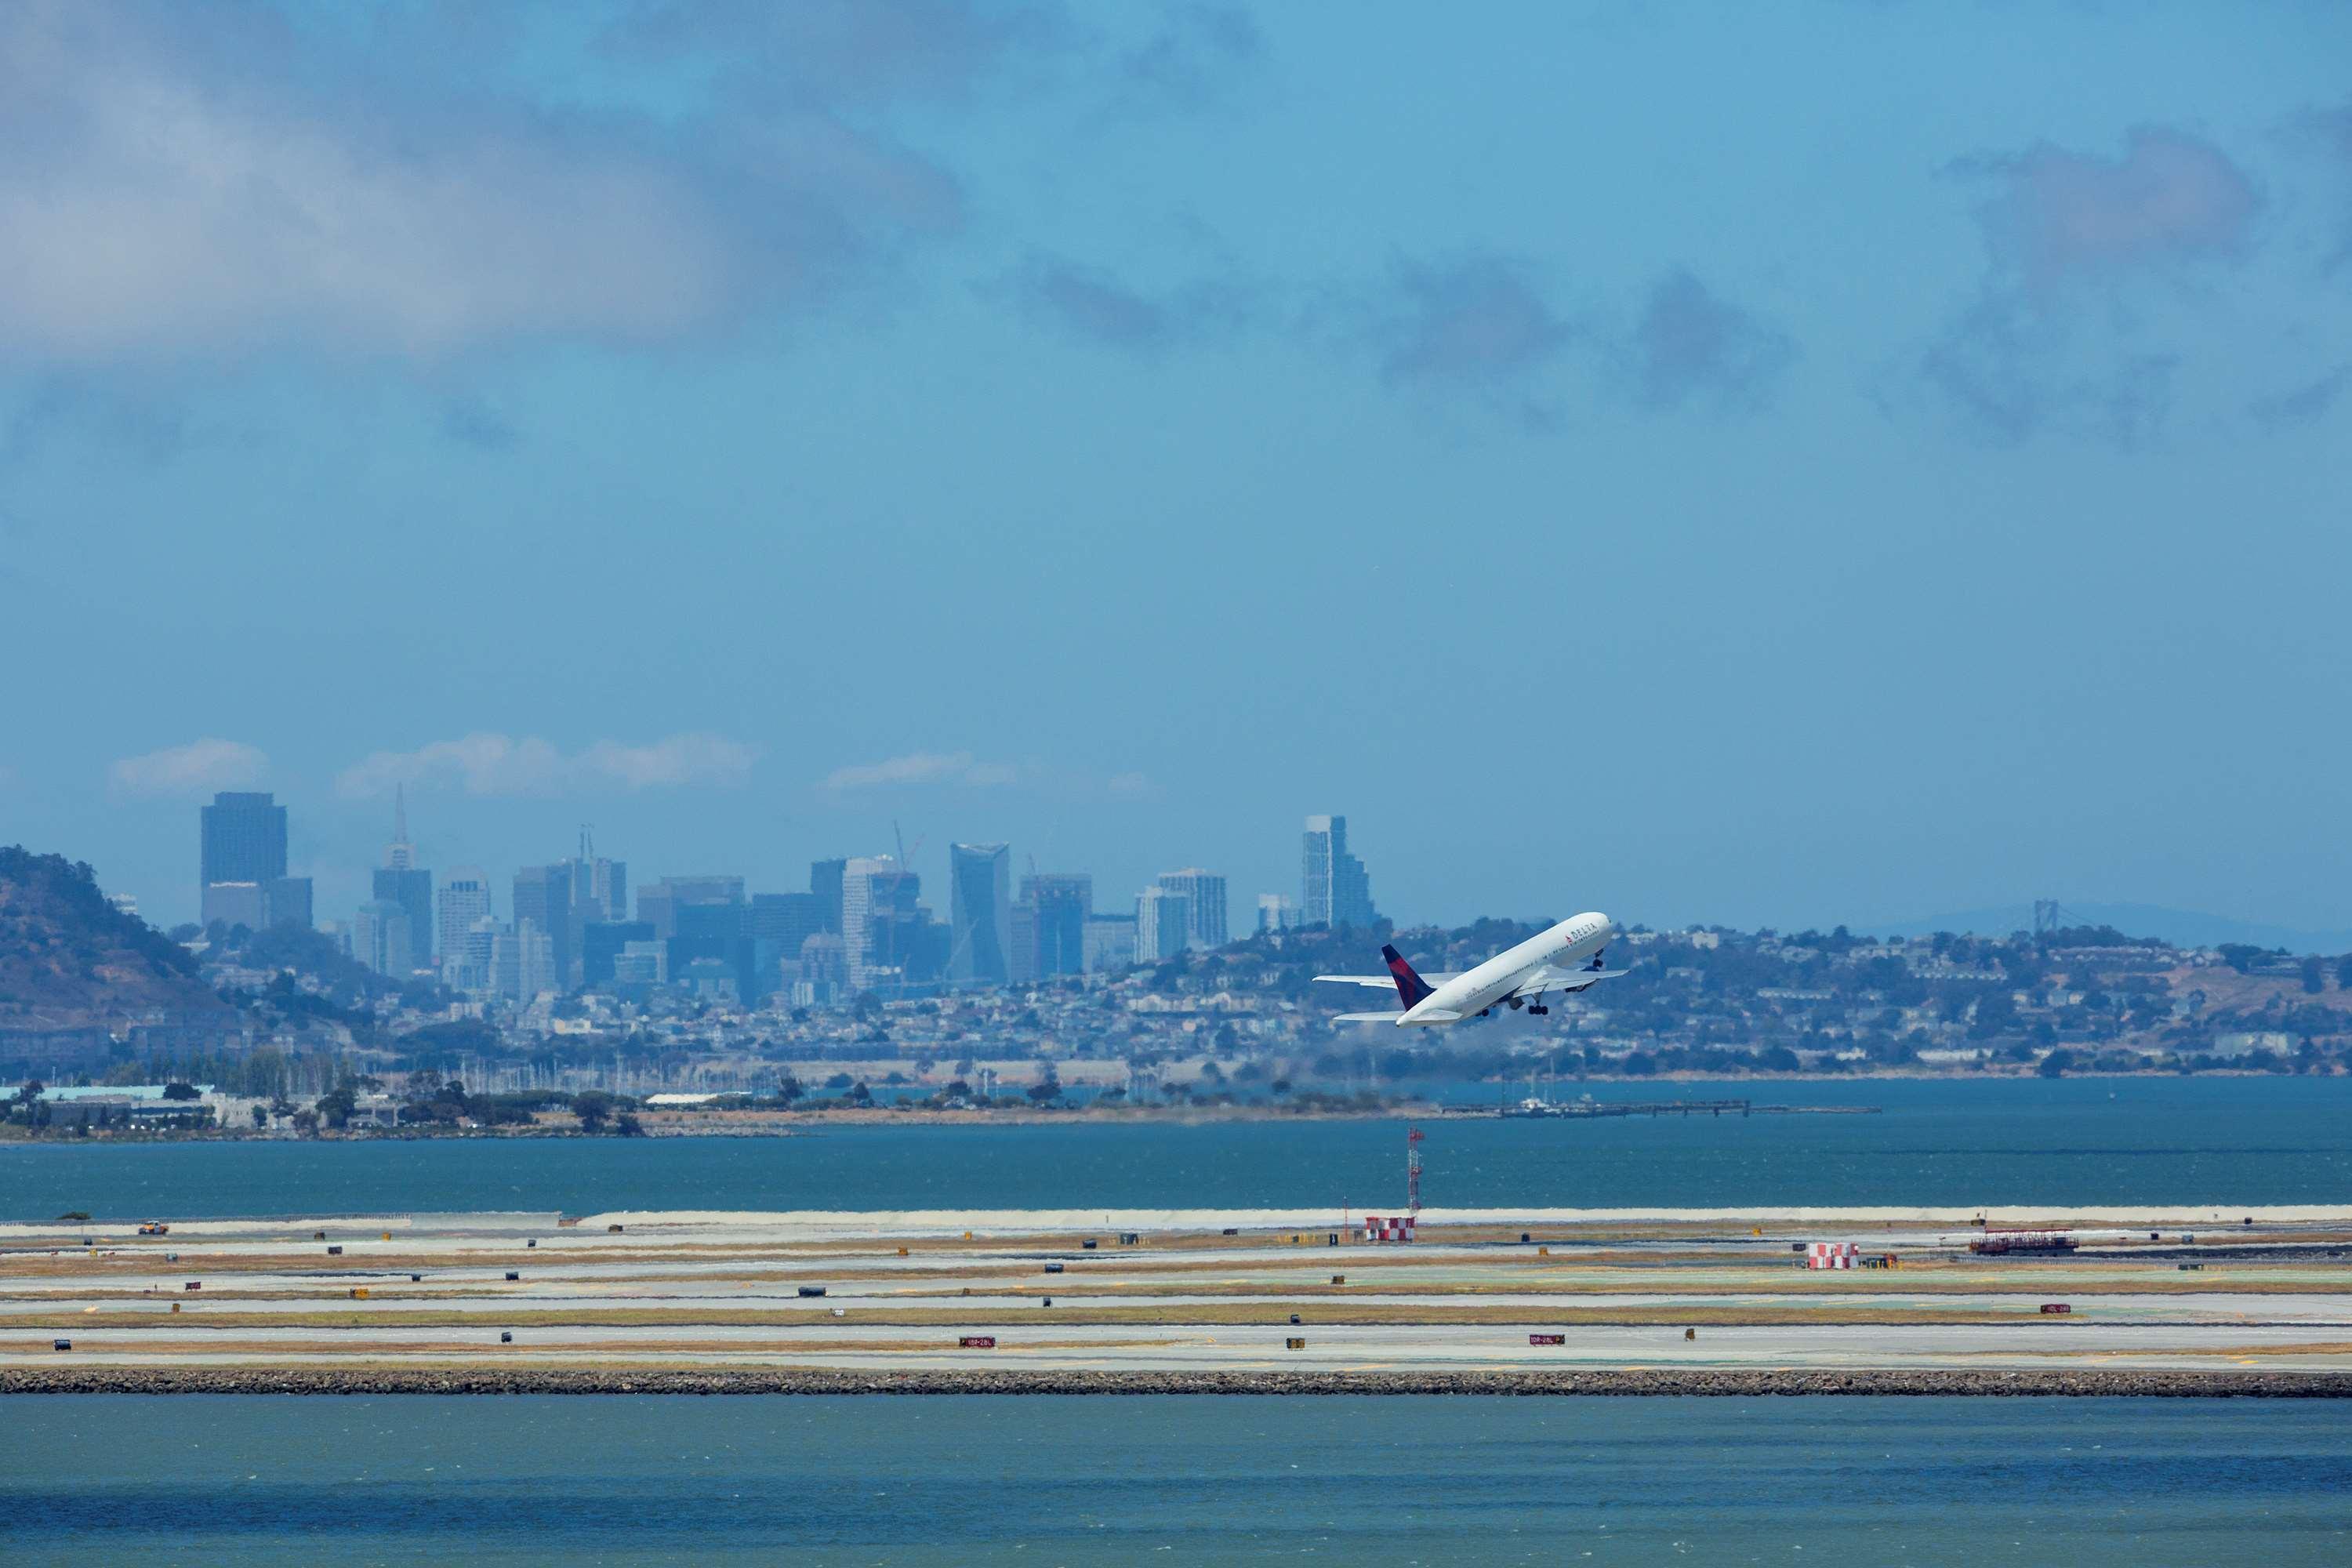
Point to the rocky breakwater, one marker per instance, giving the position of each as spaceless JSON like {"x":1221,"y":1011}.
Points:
{"x":485,"y":1379}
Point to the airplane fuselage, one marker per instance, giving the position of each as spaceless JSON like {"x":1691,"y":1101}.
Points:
{"x":1568,"y":945}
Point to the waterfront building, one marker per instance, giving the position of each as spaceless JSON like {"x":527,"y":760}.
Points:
{"x":980,"y":900}
{"x":1335,"y":889}
{"x":1206,"y":904}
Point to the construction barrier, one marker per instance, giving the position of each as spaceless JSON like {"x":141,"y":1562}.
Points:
{"x":977,"y":1343}
{"x":1546,"y":1339}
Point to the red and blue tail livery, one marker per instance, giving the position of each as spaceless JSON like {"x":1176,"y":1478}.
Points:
{"x":1409,"y":987}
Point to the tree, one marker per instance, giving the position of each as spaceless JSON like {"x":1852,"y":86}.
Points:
{"x":2344,"y":972}
{"x":2314,"y":979}
{"x":2056,"y":1064}
{"x":181,"y":1091}
{"x":593,"y":1107}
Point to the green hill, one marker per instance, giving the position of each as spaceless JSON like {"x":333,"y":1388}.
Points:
{"x":70,"y":961}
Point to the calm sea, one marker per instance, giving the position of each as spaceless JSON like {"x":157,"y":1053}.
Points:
{"x":2073,"y":1141}
{"x":1180,"y":1478}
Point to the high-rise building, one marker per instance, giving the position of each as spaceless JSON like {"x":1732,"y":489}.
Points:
{"x":1109,"y":944}
{"x":787,"y":919}
{"x":468,"y":957}
{"x":241,"y":840}
{"x":602,"y":943}
{"x":401,"y":880}
{"x":286,"y":901}
{"x":1205,"y":891}
{"x":1060,"y":903}
{"x":465,"y":898}
{"x":1275,"y":914}
{"x":542,"y":895}
{"x":883,"y":935}
{"x":380,"y":938}
{"x":1335,"y":890}
{"x":825,"y":881}
{"x":233,"y":904}
{"x":1163,"y":925}
{"x":980,"y":912}
{"x":659,"y":903}
{"x":523,"y":962}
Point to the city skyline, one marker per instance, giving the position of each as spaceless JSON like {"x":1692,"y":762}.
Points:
{"x":1889,"y":467}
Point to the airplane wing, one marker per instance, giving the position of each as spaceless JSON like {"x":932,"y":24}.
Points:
{"x":1545,"y":980}
{"x":1381,"y":982}
{"x":1433,"y":1016}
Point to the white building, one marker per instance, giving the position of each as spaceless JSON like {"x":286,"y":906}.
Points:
{"x":1205,"y":892}
{"x":380,"y":937}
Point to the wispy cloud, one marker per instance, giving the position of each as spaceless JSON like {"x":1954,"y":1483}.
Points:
{"x":1691,"y":346}
{"x":2043,"y":342}
{"x":1092,"y":303}
{"x":487,"y":763}
{"x":210,"y":763}
{"x":2302,"y":405}
{"x":923,"y":768}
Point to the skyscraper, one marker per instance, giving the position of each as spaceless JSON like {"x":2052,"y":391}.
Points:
{"x":242,"y":839}
{"x":1206,"y":894}
{"x":980,"y":910}
{"x":1335,"y":890}
{"x":1275,"y":913}
{"x":659,"y":904}
{"x":1163,"y":925}
{"x":1061,"y":903}
{"x":542,"y":895}
{"x":1109,"y":944}
{"x":380,"y":938}
{"x":825,"y":881}
{"x":882,"y":936}
{"x":465,"y":898}
{"x":401,"y":880}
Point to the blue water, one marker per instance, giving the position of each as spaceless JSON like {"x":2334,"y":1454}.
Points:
{"x":1176,"y":1478}
{"x":2010,"y":1142}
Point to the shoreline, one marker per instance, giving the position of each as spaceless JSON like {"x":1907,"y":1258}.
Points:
{"x":1635,"y":1383}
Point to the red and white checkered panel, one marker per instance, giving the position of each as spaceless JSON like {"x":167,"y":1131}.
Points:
{"x":1397,"y":1227}
{"x":1830,"y":1254}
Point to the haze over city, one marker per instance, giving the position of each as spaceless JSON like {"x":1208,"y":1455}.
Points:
{"x":1770,"y":468}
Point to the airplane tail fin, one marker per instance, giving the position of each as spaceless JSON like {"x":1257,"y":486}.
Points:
{"x":1409,"y":987}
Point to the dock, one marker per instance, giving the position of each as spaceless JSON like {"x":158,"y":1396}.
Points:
{"x":1588,"y":1107}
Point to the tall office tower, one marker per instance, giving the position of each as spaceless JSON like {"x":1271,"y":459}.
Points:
{"x":401,"y":880}
{"x":1163,"y":925}
{"x":1021,"y":952}
{"x":825,"y":881}
{"x":1061,"y":902}
{"x":286,"y":901}
{"x":1275,"y":914}
{"x":602,"y":943}
{"x":661,"y":904}
{"x":883,"y":938}
{"x":465,"y":898}
{"x":523,"y":962}
{"x":979,"y":913}
{"x":380,"y":938}
{"x":542,"y":895}
{"x":1336,"y":891}
{"x":467,"y":959}
{"x":1206,"y":891}
{"x":787,"y":919}
{"x":242,"y":838}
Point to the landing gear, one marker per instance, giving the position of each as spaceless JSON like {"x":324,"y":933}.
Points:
{"x":1537,"y":1011}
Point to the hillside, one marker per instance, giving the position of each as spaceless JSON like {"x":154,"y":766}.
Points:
{"x":70,"y":960}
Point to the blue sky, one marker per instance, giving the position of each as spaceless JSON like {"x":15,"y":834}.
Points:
{"x":1769,"y":465}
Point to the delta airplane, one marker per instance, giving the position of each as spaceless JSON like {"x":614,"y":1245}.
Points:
{"x":1564,"y":959}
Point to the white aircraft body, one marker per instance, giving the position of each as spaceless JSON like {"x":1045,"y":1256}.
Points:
{"x":1560,"y":960}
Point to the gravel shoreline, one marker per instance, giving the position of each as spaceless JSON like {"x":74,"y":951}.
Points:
{"x":1744,"y":1383}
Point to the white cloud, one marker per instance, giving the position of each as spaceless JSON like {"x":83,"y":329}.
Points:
{"x":210,"y":763}
{"x":494,"y":764}
{"x":156,"y":201}
{"x":923,"y":768}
